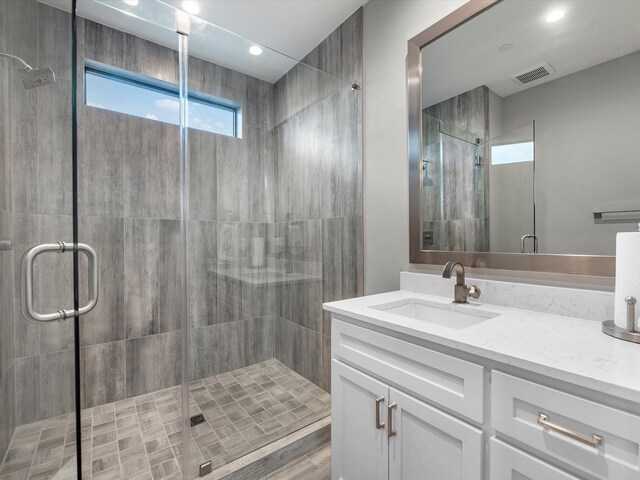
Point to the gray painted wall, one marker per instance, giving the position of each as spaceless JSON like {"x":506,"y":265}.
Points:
{"x":293,"y":179}
{"x":585,"y":152}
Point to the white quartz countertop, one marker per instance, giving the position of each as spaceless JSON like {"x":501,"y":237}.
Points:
{"x":567,"y":349}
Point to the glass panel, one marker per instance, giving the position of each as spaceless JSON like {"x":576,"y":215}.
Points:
{"x":512,"y":189}
{"x":129,"y":212}
{"x":274,"y":231}
{"x":37,"y":361}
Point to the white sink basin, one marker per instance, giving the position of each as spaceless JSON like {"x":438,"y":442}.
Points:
{"x":447,"y":314}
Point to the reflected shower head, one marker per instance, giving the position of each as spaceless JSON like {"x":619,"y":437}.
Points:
{"x":37,"y":78}
{"x":33,"y":78}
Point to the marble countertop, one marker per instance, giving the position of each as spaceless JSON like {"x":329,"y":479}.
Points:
{"x":567,"y":349}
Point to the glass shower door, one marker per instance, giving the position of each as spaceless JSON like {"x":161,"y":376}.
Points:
{"x":38,"y":354}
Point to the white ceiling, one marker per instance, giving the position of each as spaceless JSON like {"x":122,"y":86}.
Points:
{"x":591,"y":32}
{"x":225,"y":29}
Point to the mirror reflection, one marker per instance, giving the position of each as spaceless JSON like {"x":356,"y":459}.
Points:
{"x":529,"y":119}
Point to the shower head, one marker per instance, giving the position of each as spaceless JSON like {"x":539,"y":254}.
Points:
{"x":37,"y":78}
{"x":33,"y":78}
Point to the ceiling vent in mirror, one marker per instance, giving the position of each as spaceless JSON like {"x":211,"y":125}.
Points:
{"x":533,"y":74}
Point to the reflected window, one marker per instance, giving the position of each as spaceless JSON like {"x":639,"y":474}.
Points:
{"x":512,"y":153}
{"x":126,"y":92}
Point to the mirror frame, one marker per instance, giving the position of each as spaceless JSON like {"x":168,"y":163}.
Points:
{"x":592,"y":265}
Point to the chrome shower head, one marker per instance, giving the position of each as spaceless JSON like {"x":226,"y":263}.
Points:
{"x":37,"y":78}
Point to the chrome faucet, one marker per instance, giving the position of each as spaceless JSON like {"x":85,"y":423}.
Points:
{"x":461,"y":291}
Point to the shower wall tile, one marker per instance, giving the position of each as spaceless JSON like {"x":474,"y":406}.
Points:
{"x":169,"y":276}
{"x":340,"y":54}
{"x":342,"y":257}
{"x":106,"y":322}
{"x":24,"y":137}
{"x":28,"y":391}
{"x":152,"y":363}
{"x":227,"y":346}
{"x":6,"y":297}
{"x":168,"y":199}
{"x":141,"y":265}
{"x":7,"y":409}
{"x":303,"y":350}
{"x":53,"y":116}
{"x":150,"y":59}
{"x":102,"y":368}
{"x":56,"y":383}
{"x":233,"y":159}
{"x":26,"y":334}
{"x":203,"y":185}
{"x":141,"y":168}
{"x":203,"y":278}
{"x":100,"y":162}
{"x":5,"y":115}
{"x":103,"y":44}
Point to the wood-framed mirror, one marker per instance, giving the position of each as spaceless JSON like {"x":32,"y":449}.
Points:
{"x":522,"y":116}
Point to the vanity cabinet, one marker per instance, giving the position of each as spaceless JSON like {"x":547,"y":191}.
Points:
{"x":404,"y":411}
{"x":379,"y":432}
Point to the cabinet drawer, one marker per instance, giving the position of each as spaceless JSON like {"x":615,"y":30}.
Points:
{"x":441,"y":379}
{"x":516,"y":409}
{"x":508,"y":463}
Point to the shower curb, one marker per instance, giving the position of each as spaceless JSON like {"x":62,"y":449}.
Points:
{"x":277,"y":454}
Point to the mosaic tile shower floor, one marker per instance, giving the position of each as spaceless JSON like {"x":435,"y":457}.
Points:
{"x":141,"y":437}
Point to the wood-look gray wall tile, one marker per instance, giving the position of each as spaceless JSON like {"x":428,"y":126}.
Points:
{"x":6,"y":202}
{"x":57,"y":384}
{"x":53,"y":282}
{"x":168,"y":171}
{"x":100,"y":162}
{"x":202,"y":266}
{"x":153,"y":363}
{"x":141,"y":265}
{"x":53,"y":116}
{"x":150,"y":59}
{"x":203,"y":184}
{"x":342,"y":259}
{"x":169,"y":276}
{"x":105,"y":323}
{"x":28,"y":391}
{"x":7,"y":409}
{"x":103,"y":44}
{"x":300,"y":349}
{"x":26,"y":334}
{"x":23,"y":138}
{"x":141,"y":167}
{"x":6,"y":296}
{"x":102,"y":368}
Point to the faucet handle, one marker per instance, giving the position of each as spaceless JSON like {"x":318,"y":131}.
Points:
{"x":474,"y":291}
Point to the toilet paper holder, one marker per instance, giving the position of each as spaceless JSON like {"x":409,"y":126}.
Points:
{"x":629,"y":334}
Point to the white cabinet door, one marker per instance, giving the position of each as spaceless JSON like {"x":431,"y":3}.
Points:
{"x":430,"y":444}
{"x":359,"y":449}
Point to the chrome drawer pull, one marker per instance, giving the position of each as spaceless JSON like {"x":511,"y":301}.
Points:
{"x":391,"y":432}
{"x":593,"y":440}
{"x":379,"y":401}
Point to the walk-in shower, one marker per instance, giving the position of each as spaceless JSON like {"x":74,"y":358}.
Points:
{"x":221,"y":193}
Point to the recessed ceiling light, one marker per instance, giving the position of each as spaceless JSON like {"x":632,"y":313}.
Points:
{"x":505,"y":47}
{"x":255,"y":50}
{"x":133,"y":3}
{"x":554,"y":15}
{"x":190,"y":6}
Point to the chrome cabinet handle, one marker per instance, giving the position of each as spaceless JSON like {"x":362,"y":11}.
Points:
{"x":593,"y":440}
{"x":391,"y":432}
{"x":26,"y":294}
{"x":379,"y":402}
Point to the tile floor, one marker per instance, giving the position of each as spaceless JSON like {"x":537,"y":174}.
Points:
{"x":314,"y":466}
{"x":141,"y":437}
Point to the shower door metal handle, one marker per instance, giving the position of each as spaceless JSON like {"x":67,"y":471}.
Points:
{"x":535,"y":242}
{"x":27,"y":281}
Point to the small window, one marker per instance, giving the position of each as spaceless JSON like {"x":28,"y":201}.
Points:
{"x":512,"y":153}
{"x":122,"y":91}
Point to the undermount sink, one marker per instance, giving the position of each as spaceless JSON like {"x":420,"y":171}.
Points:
{"x":447,"y":314}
